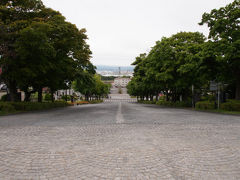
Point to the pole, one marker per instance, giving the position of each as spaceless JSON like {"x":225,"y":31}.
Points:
{"x":192,"y":96}
{"x":218,"y":95}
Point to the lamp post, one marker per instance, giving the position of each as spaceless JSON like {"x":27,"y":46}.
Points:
{"x":193,"y":101}
{"x":218,"y":86}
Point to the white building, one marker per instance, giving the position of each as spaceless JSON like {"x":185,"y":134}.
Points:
{"x":58,"y":94}
{"x":121,"y":82}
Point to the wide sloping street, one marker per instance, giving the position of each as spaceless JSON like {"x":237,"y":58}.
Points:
{"x":119,"y":140}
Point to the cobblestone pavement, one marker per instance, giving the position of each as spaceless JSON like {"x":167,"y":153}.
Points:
{"x":120,"y":141}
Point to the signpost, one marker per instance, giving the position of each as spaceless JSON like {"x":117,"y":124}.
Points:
{"x":217,"y":88}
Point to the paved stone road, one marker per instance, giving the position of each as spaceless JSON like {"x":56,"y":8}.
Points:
{"x":120,"y":141}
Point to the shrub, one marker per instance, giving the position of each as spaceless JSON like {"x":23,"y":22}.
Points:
{"x":182,"y":104}
{"x":6,"y":107}
{"x":48,"y":97}
{"x":205,"y":105}
{"x":174,"y":104}
{"x":231,"y":105}
{"x":208,"y":98}
{"x":147,"y":102}
{"x":162,"y":98}
{"x":31,"y":106}
{"x":66,"y":97}
{"x":95,"y":101}
{"x":4,"y":98}
{"x":164,"y":103}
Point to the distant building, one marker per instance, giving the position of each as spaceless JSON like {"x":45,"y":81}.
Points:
{"x":115,"y":71}
{"x":121,"y":82}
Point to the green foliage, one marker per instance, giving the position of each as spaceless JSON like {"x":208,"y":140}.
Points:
{"x":224,"y":26}
{"x":208,"y":98}
{"x":91,"y":85}
{"x":146,"y":102}
{"x":66,"y":97}
{"x":171,"y":66}
{"x":174,"y":104}
{"x":47,"y":97}
{"x":29,"y":106}
{"x":231,"y":105}
{"x":4,"y":98}
{"x":95,"y":101}
{"x":205,"y":105}
{"x":167,"y":103}
{"x":185,"y":60}
{"x":39,"y":47}
{"x":6,"y":107}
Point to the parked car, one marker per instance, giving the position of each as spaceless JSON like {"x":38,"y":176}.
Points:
{"x":3,"y":87}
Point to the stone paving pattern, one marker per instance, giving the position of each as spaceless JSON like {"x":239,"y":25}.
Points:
{"x":120,"y":141}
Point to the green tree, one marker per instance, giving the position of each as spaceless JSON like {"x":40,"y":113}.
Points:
{"x":224,"y":26}
{"x":14,"y":16}
{"x":36,"y":58}
{"x":173,"y":64}
{"x":84,"y":83}
{"x":41,"y":49}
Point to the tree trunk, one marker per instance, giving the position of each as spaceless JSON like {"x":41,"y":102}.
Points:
{"x":167,"y":96}
{"x":86,"y":97}
{"x":40,"y":95}
{"x":157,"y":97}
{"x":151,"y":98}
{"x":52,"y":96}
{"x":27,"y":96}
{"x":13,"y":91}
{"x":237,"y":95}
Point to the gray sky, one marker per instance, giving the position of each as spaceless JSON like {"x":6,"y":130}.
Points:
{"x":119,"y":30}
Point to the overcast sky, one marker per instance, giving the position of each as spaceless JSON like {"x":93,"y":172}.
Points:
{"x":119,"y":30}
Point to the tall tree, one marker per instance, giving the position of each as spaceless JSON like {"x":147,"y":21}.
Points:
{"x":224,"y":26}
{"x":36,"y":58}
{"x":41,"y":49}
{"x":15,"y":15}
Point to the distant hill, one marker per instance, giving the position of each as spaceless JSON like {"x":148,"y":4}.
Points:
{"x":114,"y":68}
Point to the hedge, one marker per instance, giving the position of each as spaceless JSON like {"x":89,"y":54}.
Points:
{"x":231,"y":105}
{"x":205,"y":105}
{"x":173,"y":104}
{"x":6,"y":107}
{"x":95,"y":101}
{"x":29,"y":106}
{"x":146,"y":102}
